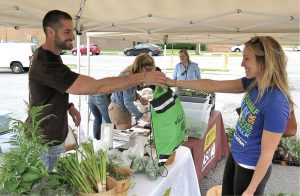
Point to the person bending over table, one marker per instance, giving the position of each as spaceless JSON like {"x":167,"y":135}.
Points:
{"x":122,"y":105}
{"x":51,"y":82}
{"x":265,"y":110}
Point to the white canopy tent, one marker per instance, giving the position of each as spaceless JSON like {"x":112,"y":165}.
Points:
{"x":195,"y":21}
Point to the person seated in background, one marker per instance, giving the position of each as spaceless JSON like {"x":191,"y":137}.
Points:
{"x":98,"y":105}
{"x":122,"y":105}
{"x":186,"y":69}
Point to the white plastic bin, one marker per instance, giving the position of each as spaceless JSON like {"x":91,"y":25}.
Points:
{"x":197,"y":120}
{"x":195,"y":106}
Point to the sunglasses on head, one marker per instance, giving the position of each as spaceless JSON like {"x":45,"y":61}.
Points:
{"x":256,"y":40}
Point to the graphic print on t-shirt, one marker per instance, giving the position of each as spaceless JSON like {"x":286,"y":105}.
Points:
{"x":246,"y":120}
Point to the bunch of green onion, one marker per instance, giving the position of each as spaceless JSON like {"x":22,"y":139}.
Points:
{"x":87,"y":175}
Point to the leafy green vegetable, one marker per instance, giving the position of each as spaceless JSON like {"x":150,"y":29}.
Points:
{"x":112,"y":171}
{"x":152,"y":169}
{"x":288,"y":149}
{"x":138,"y":165}
{"x":22,"y":167}
{"x":193,"y":93}
{"x":87,"y":175}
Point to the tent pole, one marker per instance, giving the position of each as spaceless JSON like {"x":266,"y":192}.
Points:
{"x":78,"y":32}
{"x":88,"y":62}
{"x":78,"y":71}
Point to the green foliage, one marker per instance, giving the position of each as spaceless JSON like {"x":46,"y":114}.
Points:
{"x":188,"y":46}
{"x":193,"y":93}
{"x":22,"y":166}
{"x":203,"y":47}
{"x":84,"y":171}
{"x":112,"y":171}
{"x":229,"y":132}
{"x":290,"y":145}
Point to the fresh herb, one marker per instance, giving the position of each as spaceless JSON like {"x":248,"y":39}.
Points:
{"x":229,"y":132}
{"x":288,"y":149}
{"x":193,"y":93}
{"x":113,"y":172}
{"x":22,"y":167}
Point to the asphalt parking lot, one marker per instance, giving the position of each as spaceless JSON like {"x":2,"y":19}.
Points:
{"x":14,"y":87}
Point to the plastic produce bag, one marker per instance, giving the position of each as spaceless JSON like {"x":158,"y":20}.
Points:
{"x":119,"y":158}
{"x":138,"y":165}
{"x":152,"y":169}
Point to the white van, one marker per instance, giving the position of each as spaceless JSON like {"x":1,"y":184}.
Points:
{"x":16,"y":56}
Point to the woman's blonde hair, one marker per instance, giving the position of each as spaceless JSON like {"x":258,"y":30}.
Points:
{"x":272,"y":62}
{"x":184,"y":51}
{"x":142,"y":60}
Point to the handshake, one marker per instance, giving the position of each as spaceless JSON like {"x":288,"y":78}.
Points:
{"x":158,"y":78}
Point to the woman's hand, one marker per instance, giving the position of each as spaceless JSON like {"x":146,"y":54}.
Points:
{"x":143,"y":101}
{"x":155,"y":78}
{"x":170,"y":82}
{"x":146,"y":118}
{"x":75,"y":114}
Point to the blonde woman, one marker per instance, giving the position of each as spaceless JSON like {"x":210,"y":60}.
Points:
{"x":186,"y":69}
{"x":122,"y":106}
{"x":265,"y":110}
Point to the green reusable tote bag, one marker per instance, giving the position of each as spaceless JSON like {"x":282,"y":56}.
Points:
{"x":167,"y":121}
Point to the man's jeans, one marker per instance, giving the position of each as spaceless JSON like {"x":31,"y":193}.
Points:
{"x":49,"y":157}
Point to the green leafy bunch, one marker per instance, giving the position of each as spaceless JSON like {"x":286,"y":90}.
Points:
{"x":84,"y":170}
{"x":290,"y":145}
{"x":111,"y":168}
{"x":229,"y":132}
{"x":193,"y":93}
{"x":22,"y":166}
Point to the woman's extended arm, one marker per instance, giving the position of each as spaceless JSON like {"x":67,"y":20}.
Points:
{"x":207,"y":85}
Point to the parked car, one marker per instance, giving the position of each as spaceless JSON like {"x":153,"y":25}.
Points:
{"x":237,"y":48}
{"x":151,"y":49}
{"x":94,"y":50}
{"x":16,"y":56}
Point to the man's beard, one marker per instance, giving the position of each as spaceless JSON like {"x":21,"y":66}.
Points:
{"x":62,"y":45}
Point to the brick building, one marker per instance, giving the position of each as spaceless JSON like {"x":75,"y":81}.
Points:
{"x":37,"y":36}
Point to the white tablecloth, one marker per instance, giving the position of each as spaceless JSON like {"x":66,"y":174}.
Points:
{"x":181,"y":179}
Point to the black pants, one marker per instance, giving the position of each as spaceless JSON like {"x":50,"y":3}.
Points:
{"x":236,"y":179}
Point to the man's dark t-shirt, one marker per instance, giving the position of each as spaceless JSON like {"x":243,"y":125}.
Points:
{"x":49,"y":78}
